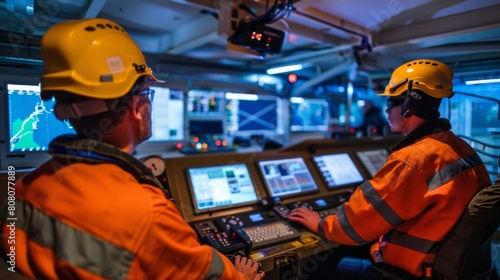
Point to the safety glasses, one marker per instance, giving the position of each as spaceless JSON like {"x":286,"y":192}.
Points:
{"x":150,"y":92}
{"x":393,"y":102}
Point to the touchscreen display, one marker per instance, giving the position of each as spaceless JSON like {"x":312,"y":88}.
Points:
{"x":338,"y":170}
{"x":287,"y":176}
{"x":219,"y":187}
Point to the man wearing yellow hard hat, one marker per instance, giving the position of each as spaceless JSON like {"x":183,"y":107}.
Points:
{"x":93,"y":211}
{"x":420,"y":192}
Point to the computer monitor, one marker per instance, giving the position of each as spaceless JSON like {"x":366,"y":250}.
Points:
{"x":373,"y":160}
{"x":338,"y":170}
{"x":31,"y":122}
{"x":167,"y":115}
{"x":27,"y":123}
{"x":205,"y":103}
{"x":286,"y":177}
{"x":249,"y":114}
{"x":219,"y":187}
{"x":309,"y":115}
{"x":199,"y":127}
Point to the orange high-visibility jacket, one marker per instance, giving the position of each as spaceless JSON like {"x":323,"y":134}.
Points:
{"x":412,"y":202}
{"x":96,"y":221}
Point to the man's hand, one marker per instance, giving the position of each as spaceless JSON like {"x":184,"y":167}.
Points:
{"x":248,"y":267}
{"x":310,"y":219}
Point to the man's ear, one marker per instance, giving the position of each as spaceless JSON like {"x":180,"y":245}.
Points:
{"x":134,"y":107}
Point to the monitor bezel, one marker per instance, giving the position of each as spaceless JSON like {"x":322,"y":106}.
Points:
{"x":196,"y":210}
{"x":281,"y":197}
{"x":342,"y":186}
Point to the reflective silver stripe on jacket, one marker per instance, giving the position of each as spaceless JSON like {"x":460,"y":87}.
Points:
{"x":451,"y":170}
{"x":216,"y":268}
{"x":81,"y":249}
{"x":347,"y":227}
{"x":384,"y":210}
{"x":406,"y":240}
{"x":71,"y":245}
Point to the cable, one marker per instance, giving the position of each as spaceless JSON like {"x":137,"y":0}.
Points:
{"x":293,"y":260}
{"x":277,"y":11}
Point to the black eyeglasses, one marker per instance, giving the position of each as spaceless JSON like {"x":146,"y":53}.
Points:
{"x":393,"y":102}
{"x":150,"y":92}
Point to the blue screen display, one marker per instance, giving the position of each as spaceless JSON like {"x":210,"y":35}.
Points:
{"x":32,"y":123}
{"x":260,"y":114}
{"x":309,"y":115}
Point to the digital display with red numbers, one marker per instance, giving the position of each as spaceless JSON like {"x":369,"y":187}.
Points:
{"x":260,"y":38}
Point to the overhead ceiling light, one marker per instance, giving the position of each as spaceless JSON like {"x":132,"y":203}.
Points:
{"x":485,"y":81}
{"x":241,"y":96}
{"x":296,"y":99}
{"x":284,"y":69}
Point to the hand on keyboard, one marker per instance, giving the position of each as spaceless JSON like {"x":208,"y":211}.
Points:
{"x":310,"y":219}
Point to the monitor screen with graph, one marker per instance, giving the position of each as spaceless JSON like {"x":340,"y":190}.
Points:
{"x":285,"y":177}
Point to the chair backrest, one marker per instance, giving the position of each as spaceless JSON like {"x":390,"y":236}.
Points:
{"x":466,"y":251}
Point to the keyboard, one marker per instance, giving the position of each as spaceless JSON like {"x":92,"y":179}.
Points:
{"x":271,"y":233}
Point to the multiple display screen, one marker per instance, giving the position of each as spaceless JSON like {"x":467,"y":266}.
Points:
{"x":212,"y":187}
{"x":287,"y":177}
{"x":338,"y":170}
{"x":219,"y":187}
{"x":29,"y":118}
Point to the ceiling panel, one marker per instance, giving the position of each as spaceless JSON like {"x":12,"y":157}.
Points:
{"x":377,"y":35}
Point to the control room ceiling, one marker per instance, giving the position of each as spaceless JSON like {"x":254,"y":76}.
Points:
{"x":329,"y":38}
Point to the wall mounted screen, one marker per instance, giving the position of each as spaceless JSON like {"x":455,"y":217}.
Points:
{"x":250,"y":113}
{"x":205,"y":127}
{"x":373,"y":160}
{"x":167,"y":115}
{"x":31,"y":122}
{"x":205,"y":103}
{"x":287,"y":177}
{"x":309,"y":115}
{"x":219,"y":187}
{"x":338,"y":170}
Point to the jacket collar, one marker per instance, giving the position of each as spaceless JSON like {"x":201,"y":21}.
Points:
{"x":74,"y":149}
{"x":428,"y":128}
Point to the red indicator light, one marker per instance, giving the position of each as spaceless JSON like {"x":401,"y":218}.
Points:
{"x":292,"y":78}
{"x":179,"y":145}
{"x":256,"y":36}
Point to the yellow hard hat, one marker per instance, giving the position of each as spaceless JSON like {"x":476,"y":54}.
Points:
{"x":94,"y":58}
{"x":430,"y":76}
